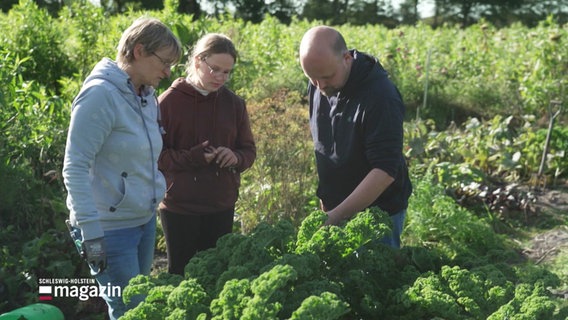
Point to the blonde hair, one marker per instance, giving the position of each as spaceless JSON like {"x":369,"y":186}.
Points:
{"x":209,"y":44}
{"x":152,"y":34}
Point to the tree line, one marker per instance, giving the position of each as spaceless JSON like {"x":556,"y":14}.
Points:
{"x":389,"y":13}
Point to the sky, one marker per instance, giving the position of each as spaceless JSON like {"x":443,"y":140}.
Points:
{"x":425,"y":7}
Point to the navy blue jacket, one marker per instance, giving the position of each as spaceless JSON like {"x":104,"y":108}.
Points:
{"x":358,"y":129}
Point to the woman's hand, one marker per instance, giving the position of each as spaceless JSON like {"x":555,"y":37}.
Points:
{"x":209,"y":152}
{"x":225,"y":157}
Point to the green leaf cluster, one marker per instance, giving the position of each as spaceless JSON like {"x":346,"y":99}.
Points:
{"x":530,"y":302}
{"x":502,"y":148}
{"x":165,"y":297}
{"x":456,"y":293}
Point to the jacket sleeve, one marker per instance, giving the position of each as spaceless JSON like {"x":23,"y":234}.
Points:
{"x":91,"y":123}
{"x":383,"y":131}
{"x":178,"y":160}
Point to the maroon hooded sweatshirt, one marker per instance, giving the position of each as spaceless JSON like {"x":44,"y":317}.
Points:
{"x":189,"y":119}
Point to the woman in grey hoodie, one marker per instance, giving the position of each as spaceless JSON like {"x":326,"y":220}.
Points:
{"x":110,"y":167}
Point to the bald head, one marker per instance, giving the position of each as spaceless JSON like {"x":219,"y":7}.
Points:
{"x":325,"y":59}
{"x":322,"y":40}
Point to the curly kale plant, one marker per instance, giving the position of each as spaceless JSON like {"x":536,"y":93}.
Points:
{"x":324,"y":306}
{"x":530,"y":302}
{"x":340,"y":272}
{"x":167,"y":297}
{"x":332,"y":243}
{"x":239,"y":256}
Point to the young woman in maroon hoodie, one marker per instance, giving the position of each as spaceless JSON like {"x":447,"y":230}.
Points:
{"x":208,"y":143}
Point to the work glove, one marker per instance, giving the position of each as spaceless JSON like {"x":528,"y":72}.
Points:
{"x":95,"y":254}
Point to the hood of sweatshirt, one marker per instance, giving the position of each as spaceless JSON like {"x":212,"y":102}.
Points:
{"x":204,"y":107}
{"x":362,"y":72}
{"x":183,"y":86}
{"x":108,"y":70}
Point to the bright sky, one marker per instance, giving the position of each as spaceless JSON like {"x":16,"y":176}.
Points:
{"x":425,"y":7}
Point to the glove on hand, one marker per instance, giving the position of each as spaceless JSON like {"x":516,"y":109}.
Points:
{"x":95,"y":254}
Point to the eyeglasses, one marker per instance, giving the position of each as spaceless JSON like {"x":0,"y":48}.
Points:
{"x":216,"y":71}
{"x":164,"y":62}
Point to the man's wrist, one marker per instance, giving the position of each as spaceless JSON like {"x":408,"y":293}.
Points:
{"x":333,"y":217}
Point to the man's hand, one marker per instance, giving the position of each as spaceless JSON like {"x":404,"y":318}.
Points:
{"x":332,"y":219}
{"x":95,"y":254}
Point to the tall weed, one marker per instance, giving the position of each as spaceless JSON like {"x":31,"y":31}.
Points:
{"x":282,"y":180}
{"x":33,"y":124}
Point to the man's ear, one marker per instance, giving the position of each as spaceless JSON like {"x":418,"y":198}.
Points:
{"x":347,"y":57}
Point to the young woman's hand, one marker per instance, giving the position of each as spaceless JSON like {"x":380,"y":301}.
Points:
{"x":225,"y":157}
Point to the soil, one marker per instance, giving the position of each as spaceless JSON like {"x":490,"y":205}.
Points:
{"x":160,"y":262}
{"x":549,"y":240}
{"x":550,"y":209}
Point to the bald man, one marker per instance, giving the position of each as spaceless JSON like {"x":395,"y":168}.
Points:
{"x":356,"y":119}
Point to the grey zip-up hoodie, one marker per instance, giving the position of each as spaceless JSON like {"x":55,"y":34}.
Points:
{"x":110,"y":168}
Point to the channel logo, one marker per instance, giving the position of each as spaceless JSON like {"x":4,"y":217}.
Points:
{"x":81,"y":292}
{"x":45,"y":293}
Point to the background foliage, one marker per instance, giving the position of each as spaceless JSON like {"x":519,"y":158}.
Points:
{"x":477,"y":112}
{"x":389,"y":13}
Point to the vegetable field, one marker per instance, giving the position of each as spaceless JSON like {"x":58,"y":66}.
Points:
{"x":485,"y":137}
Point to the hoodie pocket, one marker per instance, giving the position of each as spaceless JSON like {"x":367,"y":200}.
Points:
{"x":125,"y":191}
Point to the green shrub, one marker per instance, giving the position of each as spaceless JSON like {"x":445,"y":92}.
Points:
{"x":30,"y":32}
